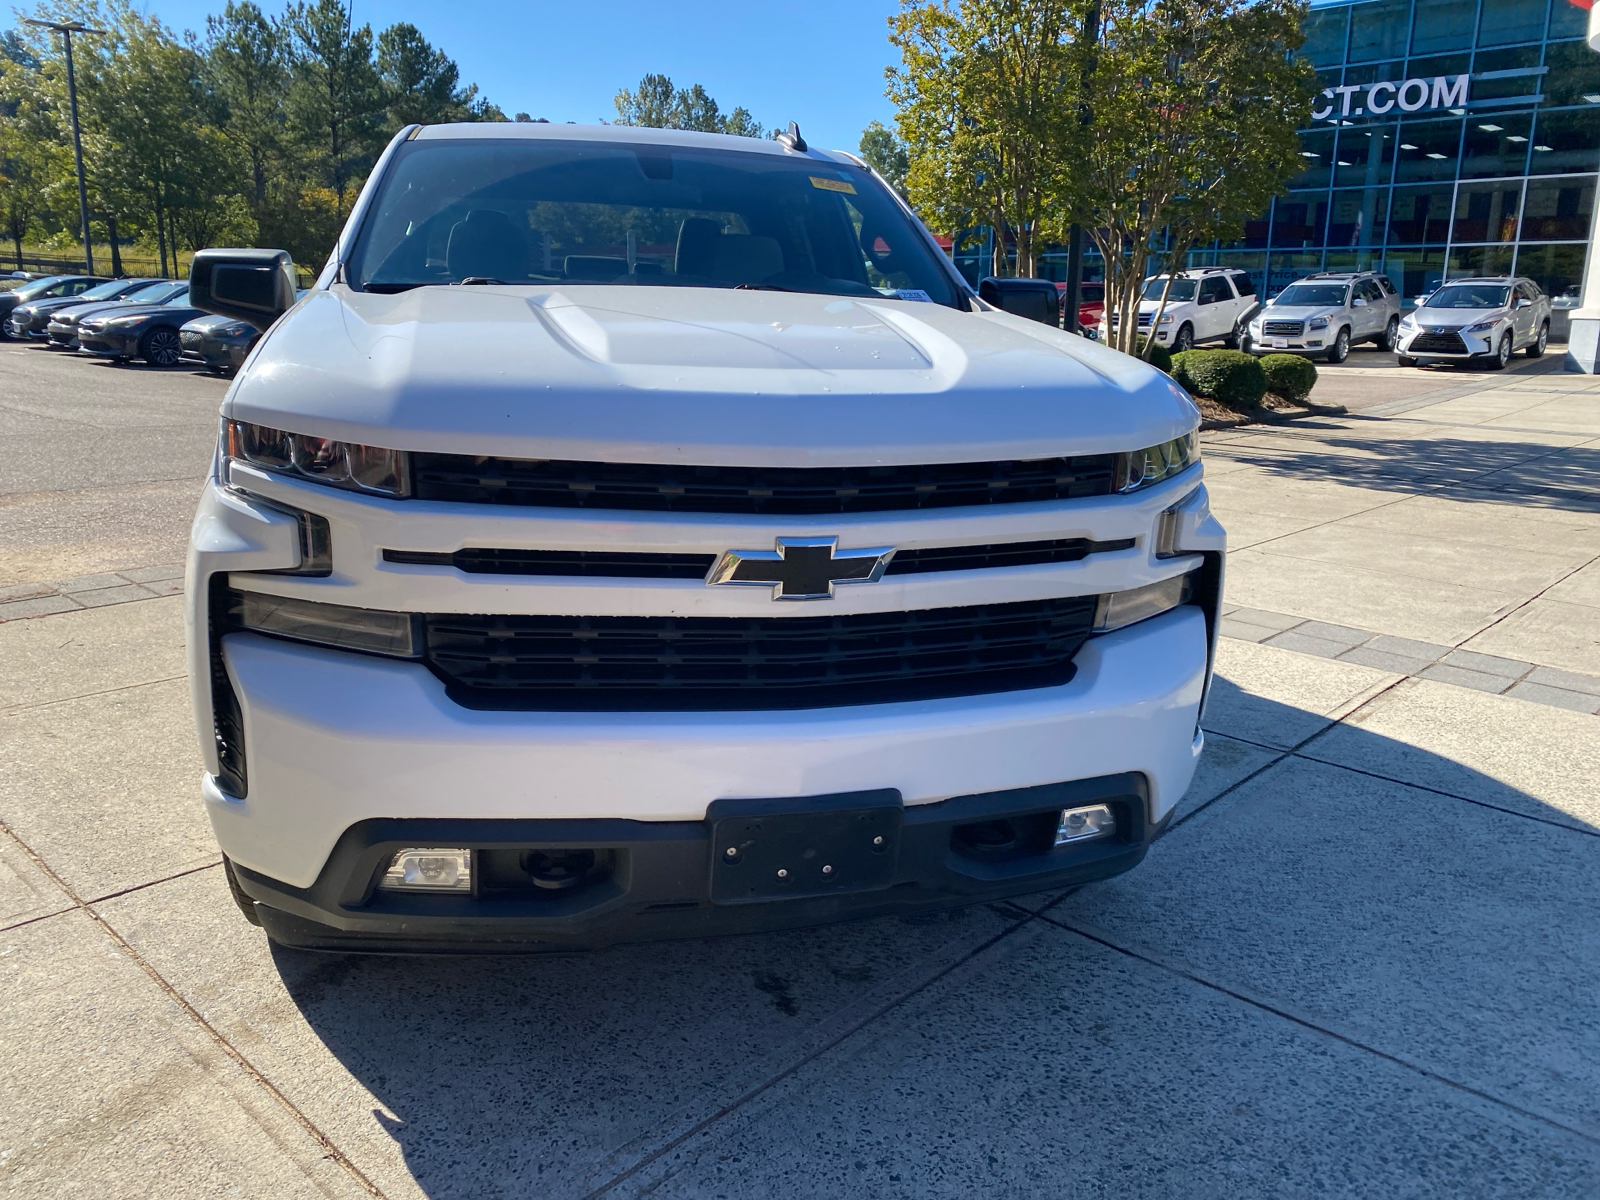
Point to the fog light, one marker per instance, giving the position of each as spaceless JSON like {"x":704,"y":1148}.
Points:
{"x":429,"y":869}
{"x":1081,"y":824}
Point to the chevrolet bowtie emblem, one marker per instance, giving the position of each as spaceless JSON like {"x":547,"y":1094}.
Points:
{"x":802,"y":568}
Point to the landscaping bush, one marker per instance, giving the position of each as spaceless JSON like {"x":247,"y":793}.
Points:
{"x":1289,"y":375}
{"x":1160,"y":357}
{"x":1230,"y":377}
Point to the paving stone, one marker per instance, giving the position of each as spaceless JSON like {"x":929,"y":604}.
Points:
{"x":1489,"y":664}
{"x":1334,"y":633}
{"x":43,"y":606}
{"x":26,"y":591}
{"x":1408,"y":647}
{"x":154,"y":574}
{"x":1271,"y":620}
{"x":1400,"y":664}
{"x":1569,"y":681}
{"x":1464,"y":678}
{"x":89,"y":583}
{"x":165,"y":587}
{"x":1560,"y":697}
{"x":1245,"y":632}
{"x":112,"y":595}
{"x":1305,"y":644}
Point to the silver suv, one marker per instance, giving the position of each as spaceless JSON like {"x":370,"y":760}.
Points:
{"x":1323,"y":315}
{"x":1483,"y":319}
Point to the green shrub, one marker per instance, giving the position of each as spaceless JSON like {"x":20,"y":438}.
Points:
{"x":1289,"y":375}
{"x":1230,"y":377}
{"x":1160,"y":357}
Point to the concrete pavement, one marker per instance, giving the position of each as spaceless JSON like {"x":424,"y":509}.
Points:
{"x":1362,"y":963}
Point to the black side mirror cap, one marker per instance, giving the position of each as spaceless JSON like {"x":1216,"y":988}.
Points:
{"x":249,"y":285}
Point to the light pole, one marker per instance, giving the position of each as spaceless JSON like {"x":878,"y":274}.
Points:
{"x":66,"y":31}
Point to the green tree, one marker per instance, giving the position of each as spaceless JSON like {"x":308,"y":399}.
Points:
{"x":244,"y":56}
{"x":883,"y":151}
{"x":984,"y":99}
{"x":421,"y":82}
{"x":657,"y":104}
{"x":1193,"y":107}
{"x":335,"y":98}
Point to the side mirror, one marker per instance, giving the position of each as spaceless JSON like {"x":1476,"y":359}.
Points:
{"x":1524,"y":302}
{"x":1358,"y":302}
{"x":249,"y":285}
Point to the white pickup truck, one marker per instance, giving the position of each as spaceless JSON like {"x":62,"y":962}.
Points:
{"x":638,"y":534}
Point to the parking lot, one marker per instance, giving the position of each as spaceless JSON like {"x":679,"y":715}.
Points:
{"x":1363,"y":962}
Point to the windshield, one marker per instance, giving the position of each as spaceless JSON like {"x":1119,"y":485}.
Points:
{"x":31,"y":291}
{"x":1469,"y":295}
{"x":1182,"y":289}
{"x":1308,"y":295}
{"x":105,"y":291}
{"x":180,"y":298}
{"x":542,"y":212}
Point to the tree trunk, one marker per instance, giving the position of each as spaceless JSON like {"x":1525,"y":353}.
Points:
{"x":161,"y":234}
{"x":116,"y":253}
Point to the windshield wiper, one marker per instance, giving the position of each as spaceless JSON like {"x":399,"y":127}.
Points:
{"x":763,"y":287}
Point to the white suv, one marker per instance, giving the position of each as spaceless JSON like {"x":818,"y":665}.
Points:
{"x":1207,"y":304}
{"x":641,"y":534}
{"x":1323,"y":315}
{"x":1483,"y":320}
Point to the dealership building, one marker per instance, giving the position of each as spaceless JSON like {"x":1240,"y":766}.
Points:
{"x":1449,"y":138}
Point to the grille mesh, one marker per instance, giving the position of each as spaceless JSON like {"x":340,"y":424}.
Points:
{"x":1283,"y":328}
{"x":1437,"y":341}
{"x":650,"y":663}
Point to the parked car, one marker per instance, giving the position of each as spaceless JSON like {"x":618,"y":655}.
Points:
{"x":32,"y":320}
{"x":63,"y":326}
{"x":1035,"y":299}
{"x":1205,"y":304}
{"x":144,"y":331}
{"x":1485,"y":320}
{"x":716,"y":586}
{"x":41,"y":289}
{"x":1324,"y":314}
{"x":1091,"y":307}
{"x":218,"y":343}
{"x":1571,"y":297}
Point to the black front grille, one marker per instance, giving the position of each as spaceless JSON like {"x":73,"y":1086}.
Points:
{"x":606,"y":564}
{"x":227,"y":717}
{"x":776,"y":490}
{"x":1437,"y":341}
{"x":654,"y":663}
{"x":1283,"y":328}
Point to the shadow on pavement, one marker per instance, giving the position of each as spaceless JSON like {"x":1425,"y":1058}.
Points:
{"x":1445,"y":935}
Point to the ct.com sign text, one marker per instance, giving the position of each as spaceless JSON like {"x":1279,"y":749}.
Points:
{"x":1442,"y":91}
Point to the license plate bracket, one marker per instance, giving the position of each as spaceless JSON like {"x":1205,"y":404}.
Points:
{"x":1279,"y":343}
{"x":822,"y":845}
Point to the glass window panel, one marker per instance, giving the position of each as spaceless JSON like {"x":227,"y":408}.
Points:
{"x":1529,"y":83}
{"x":1325,"y":31}
{"x":1442,"y":25}
{"x":1558,"y":209}
{"x":1574,"y":75}
{"x":1428,"y":150}
{"x":1299,"y":219}
{"x":1564,"y":141}
{"x":1487,"y":212}
{"x":1414,"y":270}
{"x":1365,"y":156}
{"x":1496,"y":144}
{"x":1358,"y":218}
{"x":1316,"y":149}
{"x":1378,"y":29}
{"x":1504,"y":21}
{"x":1255,"y":232}
{"x":1567,"y":20}
{"x":1479,"y":260}
{"x":1557,"y":269}
{"x":1351,"y":260}
{"x":1420,"y":215}
{"x":1284,"y":269}
{"x":1438,"y":64}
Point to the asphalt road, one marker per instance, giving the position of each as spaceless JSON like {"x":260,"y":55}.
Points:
{"x":100,"y":465}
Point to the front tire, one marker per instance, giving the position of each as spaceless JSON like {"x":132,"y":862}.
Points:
{"x":1184,"y":340}
{"x":1340,"y":350}
{"x":1535,"y":348}
{"x":161,"y":348}
{"x":246,"y":905}
{"x":1502,"y":355}
{"x":1391,"y":335}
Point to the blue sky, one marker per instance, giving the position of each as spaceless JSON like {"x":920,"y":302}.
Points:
{"x":819,"y":62}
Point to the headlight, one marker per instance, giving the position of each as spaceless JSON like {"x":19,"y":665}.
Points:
{"x":123,"y":322}
{"x":398,"y":635}
{"x":1166,"y":318}
{"x":1317,"y":323}
{"x":1484,"y":326}
{"x":1406,"y":322}
{"x":237,"y":329}
{"x":1148,"y":467}
{"x":346,"y":465}
{"x":1117,"y":610}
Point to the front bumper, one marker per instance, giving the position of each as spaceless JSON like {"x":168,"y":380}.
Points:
{"x":108,"y":343}
{"x":1476,"y":345}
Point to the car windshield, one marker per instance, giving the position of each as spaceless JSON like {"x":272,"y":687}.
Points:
{"x":1182,"y":289}
{"x":1307,"y":295}
{"x":1092,"y":293}
{"x":520,"y":211}
{"x":179,"y":299}
{"x":104,"y":291}
{"x":32,"y":291}
{"x":1469,"y":295}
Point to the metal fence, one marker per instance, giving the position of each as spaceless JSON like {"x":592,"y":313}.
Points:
{"x":132,"y":265}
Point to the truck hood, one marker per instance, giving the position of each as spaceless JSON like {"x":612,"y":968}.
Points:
{"x":696,"y":375}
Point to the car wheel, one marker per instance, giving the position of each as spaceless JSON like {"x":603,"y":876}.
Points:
{"x":246,"y":905}
{"x":1391,"y":335}
{"x":1184,"y":340}
{"x":161,"y":348}
{"x":1535,"y":348}
{"x":1502,"y":355}
{"x":1405,"y":360}
{"x":1340,"y":350}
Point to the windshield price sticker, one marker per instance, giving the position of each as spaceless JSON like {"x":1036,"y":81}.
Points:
{"x":833,"y":185}
{"x":914,"y":294}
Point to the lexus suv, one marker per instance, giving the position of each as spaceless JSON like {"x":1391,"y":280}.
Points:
{"x":1477,"y":320}
{"x":1323,"y":315}
{"x":641,"y":534}
{"x":1207,"y":304}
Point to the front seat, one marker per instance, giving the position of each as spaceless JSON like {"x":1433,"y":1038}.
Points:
{"x":489,"y":245}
